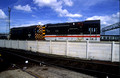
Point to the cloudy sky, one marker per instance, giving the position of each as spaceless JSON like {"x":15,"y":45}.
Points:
{"x":33,"y":12}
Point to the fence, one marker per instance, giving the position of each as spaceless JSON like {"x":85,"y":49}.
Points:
{"x":107,"y":51}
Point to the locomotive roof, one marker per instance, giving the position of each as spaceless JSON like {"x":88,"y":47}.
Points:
{"x":33,"y":26}
{"x":95,"y":21}
{"x":60,"y":24}
{"x":68,"y":23}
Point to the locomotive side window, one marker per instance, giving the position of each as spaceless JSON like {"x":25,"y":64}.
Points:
{"x":92,"y":30}
{"x":89,"y":29}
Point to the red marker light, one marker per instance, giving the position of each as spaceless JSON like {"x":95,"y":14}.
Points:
{"x":80,"y":24}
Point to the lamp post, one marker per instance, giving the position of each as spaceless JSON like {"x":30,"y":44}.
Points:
{"x":119,"y":36}
{"x":9,"y":10}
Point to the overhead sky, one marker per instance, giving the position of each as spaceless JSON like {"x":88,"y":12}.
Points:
{"x":34,"y":12}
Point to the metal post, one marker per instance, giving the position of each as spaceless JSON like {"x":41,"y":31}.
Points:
{"x":119,"y":37}
{"x":9,"y":10}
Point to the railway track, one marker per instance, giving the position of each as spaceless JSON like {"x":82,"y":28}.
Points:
{"x":28,"y":72}
{"x":8,"y":65}
{"x":94,"y":68}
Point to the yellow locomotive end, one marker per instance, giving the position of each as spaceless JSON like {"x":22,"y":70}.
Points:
{"x":40,"y":32}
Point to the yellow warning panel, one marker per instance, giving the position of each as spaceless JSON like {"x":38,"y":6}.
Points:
{"x":43,"y":27}
{"x":43,"y":33}
{"x":40,"y":32}
{"x":43,"y":30}
{"x":0,"y":55}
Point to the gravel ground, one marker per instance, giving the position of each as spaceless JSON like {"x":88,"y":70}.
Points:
{"x":43,"y":72}
{"x":53,"y":72}
{"x":17,"y":73}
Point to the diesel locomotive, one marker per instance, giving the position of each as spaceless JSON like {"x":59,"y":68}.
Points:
{"x":73,"y":31}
